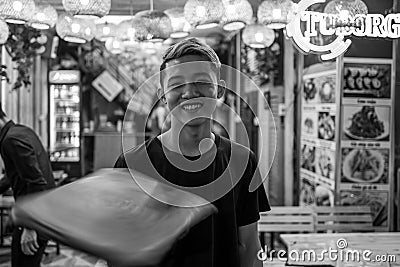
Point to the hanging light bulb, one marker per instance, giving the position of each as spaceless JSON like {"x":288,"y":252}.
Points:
{"x":105,"y":31}
{"x":4,"y":32}
{"x":75,"y":30}
{"x":258,"y":36}
{"x":87,"y":8}
{"x":275,"y":13}
{"x":180,"y":26}
{"x":114,"y":45}
{"x":238,"y":13}
{"x":17,"y":11}
{"x":204,"y":14}
{"x":154,"y":26}
{"x":344,"y":11}
{"x":45,"y":17}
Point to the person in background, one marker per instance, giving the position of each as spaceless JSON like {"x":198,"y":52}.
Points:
{"x":27,"y":170}
{"x":230,"y":237}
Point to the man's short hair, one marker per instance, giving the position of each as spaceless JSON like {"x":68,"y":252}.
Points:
{"x":190,"y":46}
{"x":2,"y":113}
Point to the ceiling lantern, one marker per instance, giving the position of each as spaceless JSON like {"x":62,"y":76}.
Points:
{"x":204,"y":14}
{"x":258,"y":36}
{"x":17,"y":11}
{"x":238,"y":13}
{"x":75,"y":30}
{"x":45,"y":17}
{"x":127,"y":30}
{"x":153,"y":26}
{"x":105,"y":31}
{"x":180,"y":26}
{"x":345,"y":11}
{"x":4,"y":32}
{"x":87,"y":8}
{"x":275,"y":13}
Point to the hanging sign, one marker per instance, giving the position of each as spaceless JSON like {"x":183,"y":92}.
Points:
{"x":370,"y":25}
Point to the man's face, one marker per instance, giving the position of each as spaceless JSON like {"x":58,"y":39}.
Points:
{"x":190,"y":86}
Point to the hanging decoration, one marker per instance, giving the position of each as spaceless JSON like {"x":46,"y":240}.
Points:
{"x":344,"y":12}
{"x":45,"y":17}
{"x":23,"y":44}
{"x":275,"y":13}
{"x":87,"y":8}
{"x":4,"y":32}
{"x":204,"y":14}
{"x":258,"y":36}
{"x":105,"y":31}
{"x":17,"y":11}
{"x":180,"y":26}
{"x":75,"y":30}
{"x":238,"y":13}
{"x":154,"y":26}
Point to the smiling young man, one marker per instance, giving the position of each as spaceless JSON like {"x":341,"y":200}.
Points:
{"x":190,"y":155}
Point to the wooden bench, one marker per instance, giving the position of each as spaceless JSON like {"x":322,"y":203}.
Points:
{"x":286,"y":219}
{"x":343,"y":219}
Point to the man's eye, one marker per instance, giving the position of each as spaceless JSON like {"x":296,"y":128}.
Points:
{"x":203,"y":83}
{"x":174,"y":87}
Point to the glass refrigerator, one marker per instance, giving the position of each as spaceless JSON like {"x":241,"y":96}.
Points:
{"x":65,"y":120}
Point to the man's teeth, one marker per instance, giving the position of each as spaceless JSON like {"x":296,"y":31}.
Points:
{"x":190,"y":107}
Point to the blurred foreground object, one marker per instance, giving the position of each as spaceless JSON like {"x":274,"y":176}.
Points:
{"x":108,"y":215}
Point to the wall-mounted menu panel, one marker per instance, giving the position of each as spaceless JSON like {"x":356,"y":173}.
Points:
{"x":318,"y":136}
{"x":365,"y":158}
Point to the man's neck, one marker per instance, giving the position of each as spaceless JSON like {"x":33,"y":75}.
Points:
{"x":187,"y":139}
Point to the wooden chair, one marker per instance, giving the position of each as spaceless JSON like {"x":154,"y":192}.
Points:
{"x":286,"y":219}
{"x":343,"y":219}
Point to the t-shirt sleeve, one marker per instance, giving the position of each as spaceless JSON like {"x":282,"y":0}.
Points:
{"x":120,"y":163}
{"x":250,"y":204}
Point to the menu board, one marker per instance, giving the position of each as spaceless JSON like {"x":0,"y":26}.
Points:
{"x":365,"y":163}
{"x":318,"y":137}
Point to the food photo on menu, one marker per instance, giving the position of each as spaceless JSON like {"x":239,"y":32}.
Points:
{"x":307,"y":193}
{"x":310,"y":91}
{"x":365,"y":166}
{"x":367,"y":80}
{"x":366,"y":123}
{"x":325,"y":162}
{"x":309,"y":124}
{"x":326,"y":126}
{"x":320,"y":89}
{"x":323,"y":196}
{"x":308,"y":158}
{"x":376,"y":200}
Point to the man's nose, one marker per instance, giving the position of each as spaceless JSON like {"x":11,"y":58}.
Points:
{"x":190,"y":91}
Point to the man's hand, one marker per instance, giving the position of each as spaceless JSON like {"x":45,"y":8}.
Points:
{"x":29,"y":243}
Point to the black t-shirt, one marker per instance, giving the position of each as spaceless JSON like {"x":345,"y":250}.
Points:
{"x":214,"y":241}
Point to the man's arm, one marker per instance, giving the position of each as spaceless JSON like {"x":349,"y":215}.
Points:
{"x":249,"y":246}
{"x":25,"y":161}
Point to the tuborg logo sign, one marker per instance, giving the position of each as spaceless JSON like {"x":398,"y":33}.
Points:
{"x":370,"y":25}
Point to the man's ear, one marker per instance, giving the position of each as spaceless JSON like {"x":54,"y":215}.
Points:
{"x":221,"y":88}
{"x":160,"y":94}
